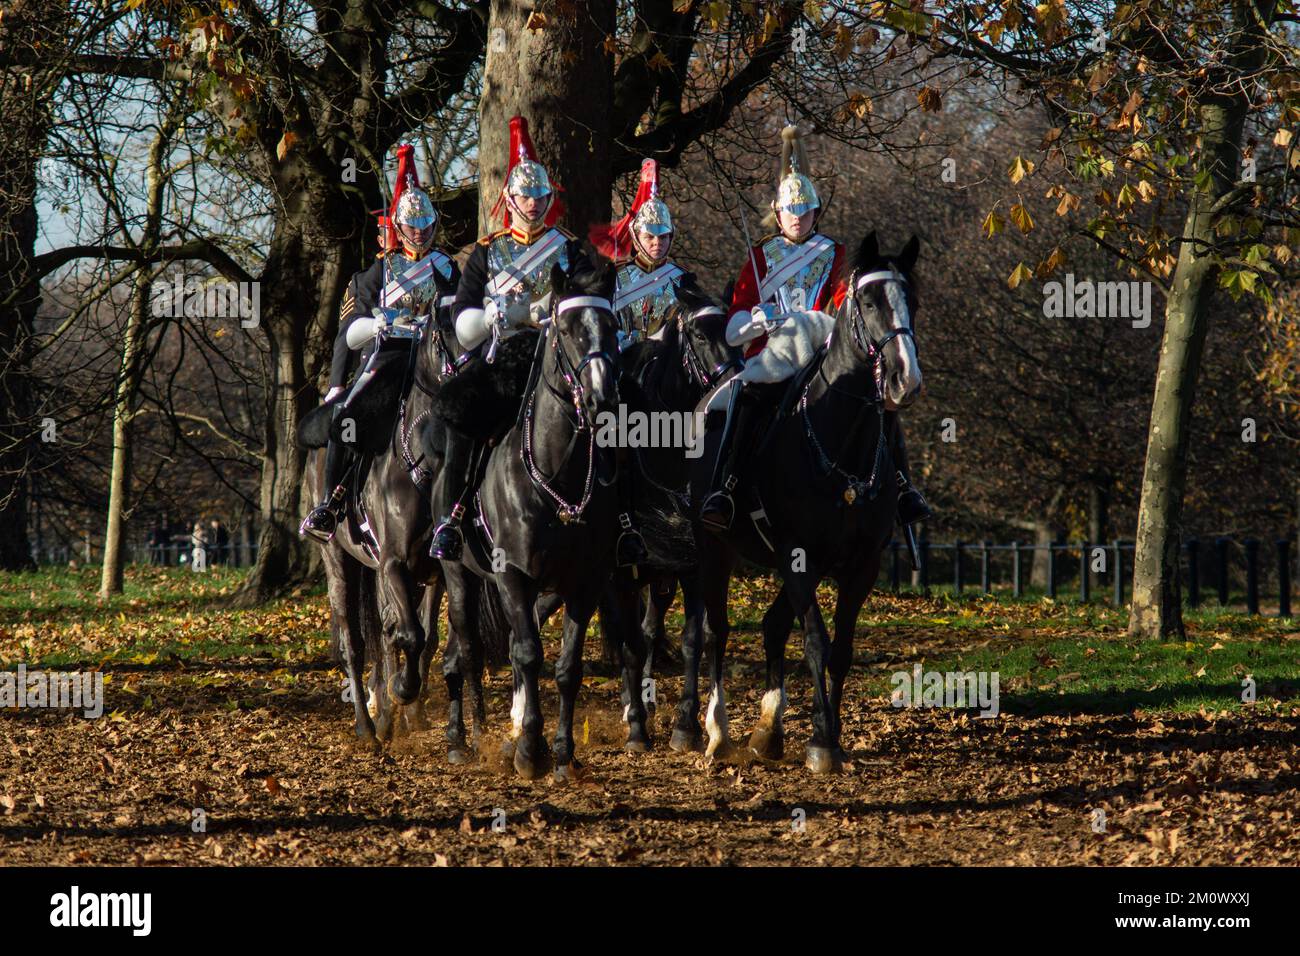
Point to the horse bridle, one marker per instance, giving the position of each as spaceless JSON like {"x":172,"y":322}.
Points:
{"x":691,"y":361}
{"x":573,"y":378}
{"x":572,"y":374}
{"x":873,"y":353}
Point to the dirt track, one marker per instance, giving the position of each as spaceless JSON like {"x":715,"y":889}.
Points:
{"x":266,"y":751}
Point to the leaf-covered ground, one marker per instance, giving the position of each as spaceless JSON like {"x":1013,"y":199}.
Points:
{"x":1105,"y":751}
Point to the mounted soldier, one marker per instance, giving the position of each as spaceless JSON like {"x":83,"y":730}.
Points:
{"x":401,"y":279}
{"x":505,"y":289}
{"x":646,"y":295}
{"x":791,"y":279}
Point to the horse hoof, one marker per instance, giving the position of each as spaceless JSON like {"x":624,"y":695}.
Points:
{"x":531,"y":766}
{"x":637,"y":745}
{"x":767,"y":743}
{"x":457,"y":756}
{"x":823,"y":760}
{"x":565,"y":773}
{"x":687,"y":741}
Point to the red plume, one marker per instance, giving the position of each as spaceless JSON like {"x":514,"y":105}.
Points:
{"x":405,"y":170}
{"x":615,"y":238}
{"x":521,"y":147}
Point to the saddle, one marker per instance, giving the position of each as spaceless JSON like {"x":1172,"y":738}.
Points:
{"x":371,"y":408}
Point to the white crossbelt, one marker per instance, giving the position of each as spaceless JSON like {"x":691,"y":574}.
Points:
{"x":417,"y":275}
{"x":648,"y":284}
{"x":791,"y":265}
{"x":512,"y":277}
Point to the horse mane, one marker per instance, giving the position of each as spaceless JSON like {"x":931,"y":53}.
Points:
{"x":868,"y":258}
{"x":590,"y":273}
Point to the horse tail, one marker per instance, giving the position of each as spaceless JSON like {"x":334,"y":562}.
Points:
{"x":493,"y":626}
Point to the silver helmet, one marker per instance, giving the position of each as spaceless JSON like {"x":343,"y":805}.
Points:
{"x":795,"y":192}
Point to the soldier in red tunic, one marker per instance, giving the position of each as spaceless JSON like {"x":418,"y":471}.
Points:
{"x":788,"y":273}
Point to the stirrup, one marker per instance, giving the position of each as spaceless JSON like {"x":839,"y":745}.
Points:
{"x":719,"y":504}
{"x":448,"y":542}
{"x":320,"y":524}
{"x":912,"y":506}
{"x":630,"y":549}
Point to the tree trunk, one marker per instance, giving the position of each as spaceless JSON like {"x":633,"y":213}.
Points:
{"x":24,"y":103}
{"x":1157,"y":588}
{"x":301,"y":286}
{"x":561,"y":79}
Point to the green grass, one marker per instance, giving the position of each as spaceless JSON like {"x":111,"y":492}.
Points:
{"x":1051,"y":656}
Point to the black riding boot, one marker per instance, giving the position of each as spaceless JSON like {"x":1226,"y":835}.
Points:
{"x":719,"y":508}
{"x":455,"y":485}
{"x":912,"y":506}
{"x":630,"y":549}
{"x":322,"y":521}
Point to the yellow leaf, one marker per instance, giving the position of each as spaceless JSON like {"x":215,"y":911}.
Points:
{"x":1020,"y":168}
{"x":660,"y":62}
{"x":993,"y":224}
{"x":1020,"y":216}
{"x":586,"y":730}
{"x":1019,"y":275}
{"x":536,"y":21}
{"x":682,"y":6}
{"x":1282,"y":139}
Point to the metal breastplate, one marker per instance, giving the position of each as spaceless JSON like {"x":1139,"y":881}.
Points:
{"x":807,"y":283}
{"x":647,"y":315}
{"x":418,"y":298}
{"x":505,"y":249}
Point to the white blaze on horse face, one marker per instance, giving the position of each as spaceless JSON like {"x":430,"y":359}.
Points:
{"x":903,"y":385}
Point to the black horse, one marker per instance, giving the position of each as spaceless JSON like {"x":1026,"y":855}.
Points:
{"x":546,"y":518}
{"x":822,"y":476}
{"x":661,"y":381}
{"x":384,"y":589}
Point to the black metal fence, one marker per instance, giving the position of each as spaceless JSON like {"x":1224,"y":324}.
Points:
{"x":1106,"y":564}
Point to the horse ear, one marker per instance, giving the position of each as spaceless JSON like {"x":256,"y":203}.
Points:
{"x":869,"y":251}
{"x":907,"y":258}
{"x":557,"y":280}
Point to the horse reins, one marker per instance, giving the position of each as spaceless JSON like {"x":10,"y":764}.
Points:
{"x":572,"y":376}
{"x":873,"y":352}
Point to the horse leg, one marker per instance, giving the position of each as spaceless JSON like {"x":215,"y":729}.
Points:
{"x":635,"y":652}
{"x":378,"y":703}
{"x":568,"y":678}
{"x":800,"y":588}
{"x":413,"y":715}
{"x":519,"y":596}
{"x":768,"y":738}
{"x":686,"y":729}
{"x":462,"y":613}
{"x":406,"y":632}
{"x":344,"y":576}
{"x":852,"y":594}
{"x":661,"y":594}
{"x":716,"y":580}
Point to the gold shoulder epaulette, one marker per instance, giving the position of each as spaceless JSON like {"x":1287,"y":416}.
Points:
{"x":492,"y":235}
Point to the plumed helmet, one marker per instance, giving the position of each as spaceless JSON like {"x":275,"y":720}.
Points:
{"x":527,"y":176}
{"x":795,"y":192}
